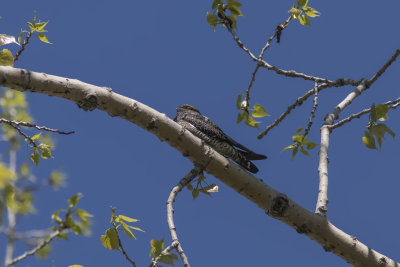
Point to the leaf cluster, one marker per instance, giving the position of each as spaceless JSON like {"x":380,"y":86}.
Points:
{"x":35,"y":28}
{"x":258,"y":111}
{"x":202,"y":187}
{"x":302,"y":12}
{"x":300,"y":143}
{"x":77,"y":220}
{"x":157,"y":247}
{"x":110,"y":239}
{"x":376,"y":130}
{"x":224,"y":13}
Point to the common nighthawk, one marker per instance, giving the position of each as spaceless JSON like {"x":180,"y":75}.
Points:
{"x":191,"y":119}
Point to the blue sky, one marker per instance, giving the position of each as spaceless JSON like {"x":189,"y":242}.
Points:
{"x":163,"y":53}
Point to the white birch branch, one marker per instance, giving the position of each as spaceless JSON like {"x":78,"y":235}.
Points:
{"x":274,"y":203}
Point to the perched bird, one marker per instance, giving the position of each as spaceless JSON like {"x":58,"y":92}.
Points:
{"x":191,"y":119}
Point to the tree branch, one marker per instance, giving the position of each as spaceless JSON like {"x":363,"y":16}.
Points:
{"x":170,"y":212}
{"x":36,"y":249}
{"x":277,"y":205}
{"x":322,"y":201}
{"x":391,"y":104}
{"x":27,"y":124}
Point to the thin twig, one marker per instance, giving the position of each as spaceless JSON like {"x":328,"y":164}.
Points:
{"x":260,"y":57}
{"x":391,"y":104}
{"x":27,"y":124}
{"x":299,"y":101}
{"x":23,"y":46}
{"x":263,"y":63}
{"x":36,"y":249}
{"x":125,"y":254}
{"x":310,"y":120}
{"x":170,"y":211}
{"x":384,"y":67}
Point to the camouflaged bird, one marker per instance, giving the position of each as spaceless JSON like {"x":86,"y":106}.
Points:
{"x":191,"y":119}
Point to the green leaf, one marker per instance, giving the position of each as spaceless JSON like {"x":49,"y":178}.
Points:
{"x":298,"y":139}
{"x":302,"y":150}
{"x":303,"y":19}
{"x":168,"y":258}
{"x":57,"y":179}
{"x":110,"y":240}
{"x":239,"y":118}
{"x":310,"y":145}
{"x":239,"y":102}
{"x":6,"y":58}
{"x":35,"y":156}
{"x":43,"y":38}
{"x":73,"y":201}
{"x":76,"y":229}
{"x":39,"y":27}
{"x":295,"y":12}
{"x":83,"y":215}
{"x":259,"y":111}
{"x":20,"y":36}
{"x":252,"y":122}
{"x":136,"y":228}
{"x":62,"y":235}
{"x":298,"y":131}
{"x":6,"y":175}
{"x":234,"y":10}
{"x":381,"y":112}
{"x":43,"y":252}
{"x":46,"y":151}
{"x":234,"y":3}
{"x":294,"y":153}
{"x":311,"y":12}
{"x":36,"y":136}
{"x":156,"y":247}
{"x":127,"y":219}
{"x":195,"y":193}
{"x":369,"y":140}
{"x":127,"y":231}
{"x":212,"y":20}
{"x":293,"y":146}
{"x":216,"y":3}
{"x":55,"y":217}
{"x":301,"y":3}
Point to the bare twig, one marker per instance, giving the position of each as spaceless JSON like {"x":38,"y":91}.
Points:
{"x":27,"y":124}
{"x":391,"y":104}
{"x":170,"y":211}
{"x":299,"y":101}
{"x":36,"y":249}
{"x":263,"y":63}
{"x":310,"y":120}
{"x":125,"y":254}
{"x":282,"y":26}
{"x":384,"y":67}
{"x":22,"y":47}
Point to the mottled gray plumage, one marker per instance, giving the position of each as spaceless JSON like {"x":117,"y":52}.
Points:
{"x":191,"y":119}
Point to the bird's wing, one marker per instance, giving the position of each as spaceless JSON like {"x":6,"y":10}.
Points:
{"x":208,"y":127}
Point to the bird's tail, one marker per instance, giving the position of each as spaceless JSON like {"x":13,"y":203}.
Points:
{"x":253,"y":156}
{"x":243,"y":161}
